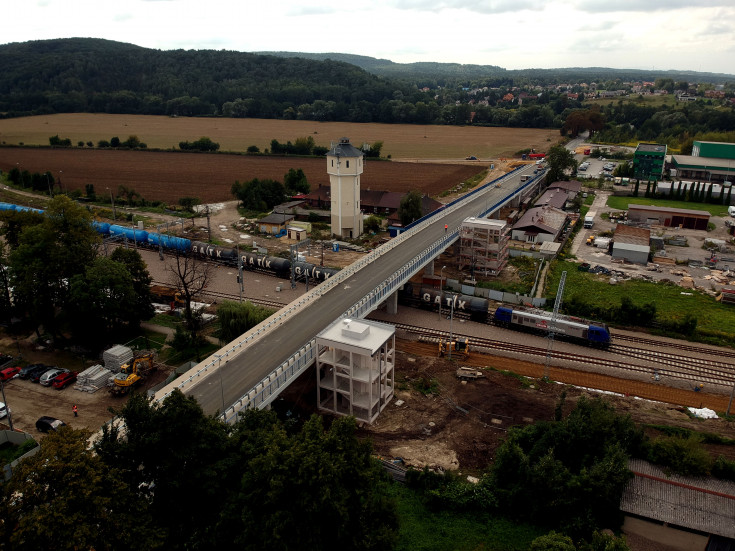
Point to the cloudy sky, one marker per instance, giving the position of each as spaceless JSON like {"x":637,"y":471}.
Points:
{"x":515,"y":34}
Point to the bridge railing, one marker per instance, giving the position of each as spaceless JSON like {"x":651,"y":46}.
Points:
{"x":306,"y":354}
{"x":270,"y":387}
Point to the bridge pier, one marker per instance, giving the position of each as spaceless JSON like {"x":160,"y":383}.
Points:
{"x":391,"y":304}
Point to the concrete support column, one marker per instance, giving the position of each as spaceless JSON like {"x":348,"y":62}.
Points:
{"x":391,"y":304}
{"x":429,"y":268}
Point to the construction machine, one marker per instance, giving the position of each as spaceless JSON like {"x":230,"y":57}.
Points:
{"x":131,"y":374}
{"x":459,"y":348}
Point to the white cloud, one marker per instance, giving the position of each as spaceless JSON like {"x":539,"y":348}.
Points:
{"x":515,"y":34}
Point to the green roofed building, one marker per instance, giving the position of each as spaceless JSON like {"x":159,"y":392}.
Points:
{"x":709,"y":162}
{"x":648,"y":161}
{"x":713,"y":150}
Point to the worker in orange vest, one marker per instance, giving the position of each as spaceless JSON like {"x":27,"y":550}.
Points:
{"x":445,"y":228}
{"x":74,"y":409}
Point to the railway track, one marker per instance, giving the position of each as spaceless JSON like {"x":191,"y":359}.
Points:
{"x":235,"y":298}
{"x":674,"y":368}
{"x":679,"y":346}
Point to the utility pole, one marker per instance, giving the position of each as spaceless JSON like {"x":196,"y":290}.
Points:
{"x":239,"y":271}
{"x":209,"y":228}
{"x":552,"y":324}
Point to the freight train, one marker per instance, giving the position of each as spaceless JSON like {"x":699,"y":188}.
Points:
{"x":483,"y":310}
{"x":280,"y":267}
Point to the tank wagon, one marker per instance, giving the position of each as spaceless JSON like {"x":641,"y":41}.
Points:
{"x":577,"y":330}
{"x":280,"y":267}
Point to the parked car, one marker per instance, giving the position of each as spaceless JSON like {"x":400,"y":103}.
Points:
{"x":3,"y":410}
{"x":48,"y":377}
{"x":64,"y":379}
{"x":45,"y":424}
{"x":27,"y":370}
{"x":8,"y":373}
{"x":36,"y":375}
{"x":4,"y":358}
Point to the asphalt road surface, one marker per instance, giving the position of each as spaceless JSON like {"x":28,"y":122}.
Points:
{"x":225,"y":386}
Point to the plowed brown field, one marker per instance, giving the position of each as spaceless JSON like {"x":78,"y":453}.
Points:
{"x":167,"y":176}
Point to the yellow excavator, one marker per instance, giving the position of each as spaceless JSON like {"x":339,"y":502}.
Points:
{"x":459,"y":348}
{"x":131,"y":374}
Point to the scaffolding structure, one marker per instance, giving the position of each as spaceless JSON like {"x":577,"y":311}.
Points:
{"x":356,"y":368}
{"x":483,"y":245}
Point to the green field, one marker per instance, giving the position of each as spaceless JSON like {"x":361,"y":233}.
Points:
{"x":423,"y":529}
{"x":672,"y":302}
{"x":621,"y":203}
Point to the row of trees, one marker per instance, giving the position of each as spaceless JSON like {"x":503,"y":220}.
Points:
{"x":307,"y":484}
{"x":263,"y":195}
{"x":51,"y":263}
{"x":259,"y":484}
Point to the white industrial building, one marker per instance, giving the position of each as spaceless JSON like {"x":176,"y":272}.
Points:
{"x":356,"y":368}
{"x":631,"y":244}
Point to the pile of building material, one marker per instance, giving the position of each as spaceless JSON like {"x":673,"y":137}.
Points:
{"x":116,"y":357}
{"x":93,"y":379}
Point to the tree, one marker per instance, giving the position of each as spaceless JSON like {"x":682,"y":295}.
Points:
{"x":49,"y":254}
{"x":559,"y":160}
{"x":571,"y":473}
{"x":129,"y":193}
{"x":66,"y":497}
{"x":295,"y":181}
{"x":337,"y":500}
{"x":259,"y":195}
{"x":236,"y":318}
{"x":373,"y":224}
{"x":409,"y":208}
{"x":553,"y":541}
{"x":189,"y":203}
{"x":186,"y":485}
{"x":103,"y":300}
{"x":190,"y":276}
{"x":141,"y":280}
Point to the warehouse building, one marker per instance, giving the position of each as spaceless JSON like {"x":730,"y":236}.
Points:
{"x":648,"y":161}
{"x":667,"y":216}
{"x":709,"y":162}
{"x":631,"y":244}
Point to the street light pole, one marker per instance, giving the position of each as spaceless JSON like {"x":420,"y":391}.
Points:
{"x":441,"y":290}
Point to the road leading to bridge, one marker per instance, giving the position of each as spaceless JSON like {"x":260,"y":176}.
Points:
{"x":222,"y":387}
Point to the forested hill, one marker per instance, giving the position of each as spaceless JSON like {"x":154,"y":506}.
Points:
{"x":101,"y":76}
{"x":94,"y":75}
{"x":468,"y":73}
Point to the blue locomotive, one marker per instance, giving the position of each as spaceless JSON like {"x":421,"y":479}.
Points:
{"x":575,"y":329}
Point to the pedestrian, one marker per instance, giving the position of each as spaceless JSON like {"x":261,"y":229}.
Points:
{"x":446,"y":226}
{"x":74,"y":409}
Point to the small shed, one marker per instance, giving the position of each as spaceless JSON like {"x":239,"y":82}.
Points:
{"x":274,"y":224}
{"x":298,"y":234}
{"x":631,"y":244}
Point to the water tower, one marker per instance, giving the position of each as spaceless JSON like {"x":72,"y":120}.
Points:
{"x":344,"y":166}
